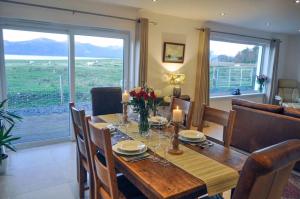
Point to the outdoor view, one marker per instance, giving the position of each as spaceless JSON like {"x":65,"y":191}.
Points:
{"x":233,"y":66}
{"x":37,"y":76}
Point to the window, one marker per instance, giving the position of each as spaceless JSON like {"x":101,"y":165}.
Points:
{"x":46,"y":66}
{"x":36,"y":65}
{"x":234,"y":65}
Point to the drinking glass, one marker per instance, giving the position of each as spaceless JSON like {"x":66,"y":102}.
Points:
{"x":153,"y":143}
{"x":164,"y":145}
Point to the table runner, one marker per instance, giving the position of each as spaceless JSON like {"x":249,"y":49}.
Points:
{"x":217,"y":177}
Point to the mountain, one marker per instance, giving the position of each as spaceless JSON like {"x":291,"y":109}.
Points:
{"x":48,"y":47}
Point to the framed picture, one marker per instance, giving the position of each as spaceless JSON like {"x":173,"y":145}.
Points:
{"x":173,"y":52}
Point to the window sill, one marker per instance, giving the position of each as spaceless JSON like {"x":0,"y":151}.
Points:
{"x":239,"y":96}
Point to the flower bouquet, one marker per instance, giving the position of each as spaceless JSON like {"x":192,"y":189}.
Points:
{"x":143,"y":100}
{"x":261,"y":79}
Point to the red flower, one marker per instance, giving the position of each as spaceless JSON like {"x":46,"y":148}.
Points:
{"x":132,"y":93}
{"x":152,"y":95}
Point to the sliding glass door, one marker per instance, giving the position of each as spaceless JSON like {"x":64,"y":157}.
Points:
{"x":46,"y":66}
{"x":36,"y":65}
{"x":98,"y":63}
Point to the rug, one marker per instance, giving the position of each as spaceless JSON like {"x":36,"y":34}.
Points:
{"x":292,"y":190}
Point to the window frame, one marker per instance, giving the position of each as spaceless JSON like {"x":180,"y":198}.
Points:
{"x":223,"y":37}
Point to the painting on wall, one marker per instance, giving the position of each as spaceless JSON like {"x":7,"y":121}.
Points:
{"x":173,"y":52}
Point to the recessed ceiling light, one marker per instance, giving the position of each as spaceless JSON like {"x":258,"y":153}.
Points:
{"x":297,"y":1}
{"x":223,"y":13}
{"x":154,"y":0}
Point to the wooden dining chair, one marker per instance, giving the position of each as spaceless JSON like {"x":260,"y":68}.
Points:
{"x":84,"y":166}
{"x":186,"y":107}
{"x":107,"y":184}
{"x":226,"y":119}
{"x":266,"y":171}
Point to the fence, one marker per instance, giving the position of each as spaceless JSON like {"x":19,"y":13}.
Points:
{"x":226,"y":78}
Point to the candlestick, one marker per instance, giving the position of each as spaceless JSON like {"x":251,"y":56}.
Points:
{"x":175,"y":142}
{"x":125,"y":97}
{"x":177,"y":115}
{"x":125,"y":112}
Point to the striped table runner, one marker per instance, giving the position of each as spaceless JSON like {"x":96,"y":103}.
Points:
{"x":217,"y":177}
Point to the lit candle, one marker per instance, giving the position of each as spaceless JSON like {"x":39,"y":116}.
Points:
{"x":125,"y":97}
{"x":177,"y":115}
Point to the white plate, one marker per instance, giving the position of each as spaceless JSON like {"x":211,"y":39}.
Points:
{"x":130,"y":146}
{"x":115,"y":149}
{"x":192,"y":141}
{"x":191,"y":134}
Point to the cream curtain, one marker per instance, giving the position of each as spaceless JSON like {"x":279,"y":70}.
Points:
{"x":141,"y":49}
{"x":202,"y":75}
{"x":273,"y":60}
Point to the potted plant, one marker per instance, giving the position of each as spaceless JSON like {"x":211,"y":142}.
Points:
{"x":261,"y":80}
{"x":7,"y":122}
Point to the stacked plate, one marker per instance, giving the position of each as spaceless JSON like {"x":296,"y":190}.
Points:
{"x":158,"y":121}
{"x":192,"y":136}
{"x":130,"y":147}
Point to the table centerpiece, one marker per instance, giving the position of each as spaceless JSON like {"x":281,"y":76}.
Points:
{"x":142,"y":101}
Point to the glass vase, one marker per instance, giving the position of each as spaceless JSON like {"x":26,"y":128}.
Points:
{"x":144,"y":123}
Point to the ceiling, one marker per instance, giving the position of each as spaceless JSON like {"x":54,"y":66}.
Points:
{"x":280,"y":16}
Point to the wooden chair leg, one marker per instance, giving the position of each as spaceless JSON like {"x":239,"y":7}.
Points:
{"x":91,"y":187}
{"x":82,"y":180}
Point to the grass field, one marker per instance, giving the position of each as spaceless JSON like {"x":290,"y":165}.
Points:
{"x":36,"y":83}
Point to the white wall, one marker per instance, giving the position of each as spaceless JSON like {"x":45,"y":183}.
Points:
{"x":292,"y":64}
{"x":171,"y":29}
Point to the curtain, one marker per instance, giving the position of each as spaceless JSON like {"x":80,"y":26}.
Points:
{"x":141,"y":49}
{"x":273,"y":60}
{"x":202,"y":75}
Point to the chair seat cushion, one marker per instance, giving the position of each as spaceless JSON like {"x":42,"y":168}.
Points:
{"x":128,"y":190}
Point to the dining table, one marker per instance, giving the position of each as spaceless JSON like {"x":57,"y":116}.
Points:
{"x":156,"y":180}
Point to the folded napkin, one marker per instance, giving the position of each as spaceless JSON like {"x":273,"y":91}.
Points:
{"x":136,"y":157}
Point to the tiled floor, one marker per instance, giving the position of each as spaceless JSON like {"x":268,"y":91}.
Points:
{"x":41,"y":173}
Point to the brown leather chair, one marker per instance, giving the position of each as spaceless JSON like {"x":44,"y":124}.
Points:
{"x":83,"y":155}
{"x":111,"y":97}
{"x":266,"y":171}
{"x":226,"y":119}
{"x":186,"y":107}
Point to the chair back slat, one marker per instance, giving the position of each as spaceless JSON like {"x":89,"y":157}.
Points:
{"x":79,"y":126}
{"x":223,"y":118}
{"x":104,"y":171}
{"x":186,"y":107}
{"x":216,"y":116}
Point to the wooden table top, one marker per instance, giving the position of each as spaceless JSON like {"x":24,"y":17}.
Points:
{"x":157,"y":181}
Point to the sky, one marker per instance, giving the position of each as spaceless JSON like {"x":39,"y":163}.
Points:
{"x":17,"y":35}
{"x":227,"y":48}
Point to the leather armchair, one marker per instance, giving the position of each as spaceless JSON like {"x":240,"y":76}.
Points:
{"x":288,"y":93}
{"x":266,"y":171}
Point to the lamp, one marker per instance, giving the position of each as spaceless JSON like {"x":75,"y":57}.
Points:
{"x":176,"y":79}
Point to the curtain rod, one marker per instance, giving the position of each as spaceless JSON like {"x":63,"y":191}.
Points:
{"x":235,"y":34}
{"x":71,"y":10}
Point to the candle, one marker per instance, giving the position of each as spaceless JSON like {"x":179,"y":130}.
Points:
{"x":125,"y":97}
{"x":177,"y":115}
